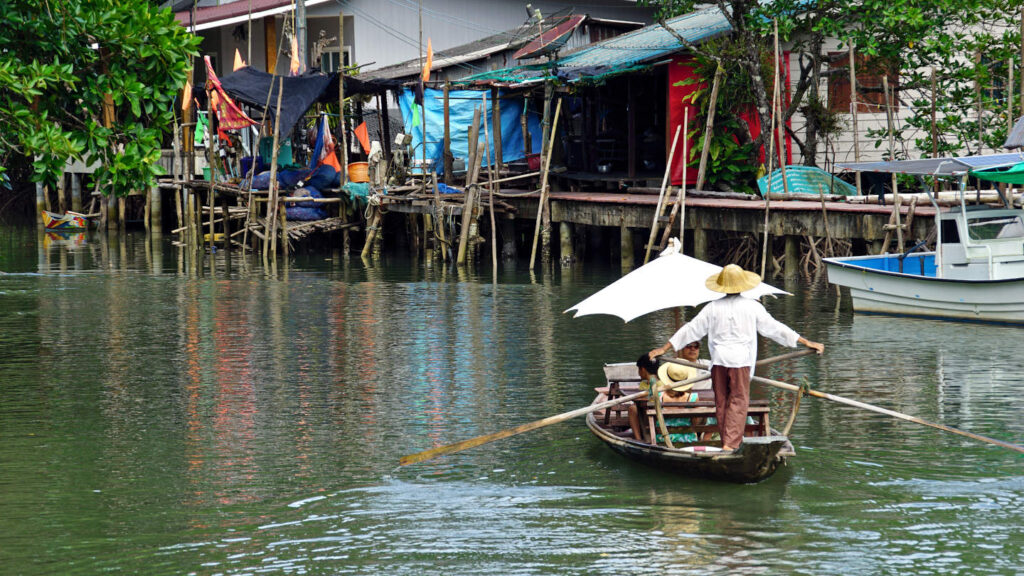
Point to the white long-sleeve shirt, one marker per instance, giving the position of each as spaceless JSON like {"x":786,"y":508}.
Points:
{"x":731,"y":325}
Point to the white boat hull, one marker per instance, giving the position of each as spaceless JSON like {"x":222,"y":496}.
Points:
{"x":892,"y":293}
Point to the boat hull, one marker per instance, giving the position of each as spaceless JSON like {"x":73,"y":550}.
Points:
{"x":893,"y":293}
{"x":67,"y":222}
{"x":756,"y":459}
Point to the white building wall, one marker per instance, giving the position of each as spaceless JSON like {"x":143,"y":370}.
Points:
{"x":386,"y":32}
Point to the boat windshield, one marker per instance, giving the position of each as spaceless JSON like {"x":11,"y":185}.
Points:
{"x":995,"y":228}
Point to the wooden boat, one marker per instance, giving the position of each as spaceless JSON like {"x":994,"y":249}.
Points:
{"x":67,"y":221}
{"x":762,"y":451}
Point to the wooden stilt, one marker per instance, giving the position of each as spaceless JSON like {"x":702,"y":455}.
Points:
{"x":544,"y":188}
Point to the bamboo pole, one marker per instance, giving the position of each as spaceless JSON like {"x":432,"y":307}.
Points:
{"x":448,"y":160}
{"x":661,"y":195}
{"x":702,"y":168}
{"x":496,"y":130}
{"x":853,"y":113}
{"x":679,"y":207}
{"x":682,"y":187}
{"x":211,"y":159}
{"x":771,"y":160}
{"x":781,"y":124}
{"x":544,"y":186}
{"x":892,"y":157}
{"x":270,"y":241}
{"x":490,"y":176}
{"x":341,"y":102}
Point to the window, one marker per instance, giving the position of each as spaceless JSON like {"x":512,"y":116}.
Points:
{"x":329,"y":59}
{"x":995,"y":227}
{"x":950,"y":233}
{"x":870,"y":97}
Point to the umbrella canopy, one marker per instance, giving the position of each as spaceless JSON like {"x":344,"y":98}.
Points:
{"x":671,"y":280}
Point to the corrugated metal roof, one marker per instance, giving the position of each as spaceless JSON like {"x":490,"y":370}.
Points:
{"x":652,"y":42}
{"x":936,"y":166}
{"x":621,"y":53}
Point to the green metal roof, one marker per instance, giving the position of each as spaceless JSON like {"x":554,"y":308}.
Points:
{"x":624,"y":53}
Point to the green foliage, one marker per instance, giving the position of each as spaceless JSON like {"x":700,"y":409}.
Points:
{"x":57,"y":62}
{"x":967,"y":42}
{"x":732,"y":163}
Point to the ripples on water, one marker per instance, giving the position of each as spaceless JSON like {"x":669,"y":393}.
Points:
{"x":159,"y":423}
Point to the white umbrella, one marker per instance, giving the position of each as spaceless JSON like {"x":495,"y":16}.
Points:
{"x":671,"y":280}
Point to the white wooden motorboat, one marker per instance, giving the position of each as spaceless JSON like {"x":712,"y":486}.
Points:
{"x":976,"y":272}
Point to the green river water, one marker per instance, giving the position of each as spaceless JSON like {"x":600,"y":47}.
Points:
{"x":238,"y":422}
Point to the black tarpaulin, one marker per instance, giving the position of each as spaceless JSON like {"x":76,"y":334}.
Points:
{"x":253,"y":87}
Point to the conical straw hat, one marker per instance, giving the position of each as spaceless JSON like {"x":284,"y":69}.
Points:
{"x":732,"y":280}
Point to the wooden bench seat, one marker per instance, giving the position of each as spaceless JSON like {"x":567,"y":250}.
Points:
{"x":758,"y":411}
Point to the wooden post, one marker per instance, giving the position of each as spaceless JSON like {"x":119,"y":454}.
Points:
{"x":630,"y":129}
{"x":371,"y":232}
{"x":76,"y":192}
{"x":474,"y":134}
{"x":496,"y":129}
{"x":700,"y":244}
{"x":469,"y":205}
{"x":387,"y":126}
{"x":565,"y":243}
{"x":41,"y":202}
{"x":625,"y":245}
{"x":853,"y":114}
{"x":225,"y":214}
{"x":61,"y":204}
{"x":439,"y":220}
{"x":524,"y":124}
{"x":270,"y":46}
{"x":702,"y":168}
{"x":792,"y":260}
{"x":155,"y":211}
{"x":448,"y":160}
{"x":544,"y":188}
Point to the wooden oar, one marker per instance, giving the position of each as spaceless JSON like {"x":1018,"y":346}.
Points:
{"x":887,"y":412}
{"x":856,"y":403}
{"x":474,"y":442}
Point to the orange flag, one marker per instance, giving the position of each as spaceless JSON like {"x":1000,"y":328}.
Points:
{"x":429,"y":62}
{"x":239,"y":63}
{"x":296,"y":67}
{"x":186,"y":96}
{"x":364,"y":137}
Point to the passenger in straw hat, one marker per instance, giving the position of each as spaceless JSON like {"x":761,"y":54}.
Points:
{"x":732,"y":325}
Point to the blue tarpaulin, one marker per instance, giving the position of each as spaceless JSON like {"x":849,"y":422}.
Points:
{"x":460,"y":111}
